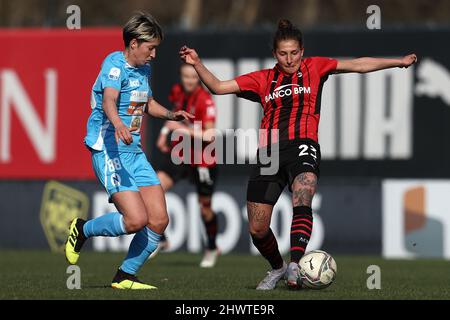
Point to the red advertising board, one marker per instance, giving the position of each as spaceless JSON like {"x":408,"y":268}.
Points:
{"x":46,"y":78}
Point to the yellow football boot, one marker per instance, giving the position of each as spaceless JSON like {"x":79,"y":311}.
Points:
{"x":126,"y":281}
{"x":75,"y":240}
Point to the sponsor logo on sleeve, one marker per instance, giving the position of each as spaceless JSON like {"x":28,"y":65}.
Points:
{"x":114,"y":74}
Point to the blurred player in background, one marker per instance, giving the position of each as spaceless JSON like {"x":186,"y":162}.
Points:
{"x":290,"y":95}
{"x":120,"y":97}
{"x":189,"y":95}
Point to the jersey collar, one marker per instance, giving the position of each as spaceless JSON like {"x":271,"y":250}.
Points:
{"x":127,"y":65}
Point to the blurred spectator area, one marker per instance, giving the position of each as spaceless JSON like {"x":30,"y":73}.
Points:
{"x":194,"y":14}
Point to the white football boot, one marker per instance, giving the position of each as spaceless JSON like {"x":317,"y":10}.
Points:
{"x":210,"y":258}
{"x":292,"y":277}
{"x":272,"y":278}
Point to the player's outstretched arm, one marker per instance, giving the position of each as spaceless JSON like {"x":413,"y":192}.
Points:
{"x":366,"y":64}
{"x":156,"y":110}
{"x":214,"y":85}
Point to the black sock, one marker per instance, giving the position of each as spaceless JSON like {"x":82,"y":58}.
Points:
{"x":268,"y":247}
{"x":301,"y":229}
{"x":211,"y":232}
{"x":122,"y":275}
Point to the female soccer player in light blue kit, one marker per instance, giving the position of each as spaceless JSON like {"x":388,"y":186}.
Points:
{"x":120,"y":97}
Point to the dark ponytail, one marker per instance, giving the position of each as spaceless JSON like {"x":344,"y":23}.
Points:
{"x":287,"y":31}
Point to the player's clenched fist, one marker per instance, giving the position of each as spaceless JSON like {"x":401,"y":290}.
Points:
{"x":189,"y":55}
{"x":408,"y":60}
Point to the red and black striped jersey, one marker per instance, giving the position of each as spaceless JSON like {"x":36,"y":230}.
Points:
{"x":291,"y":103}
{"x":201,"y":105}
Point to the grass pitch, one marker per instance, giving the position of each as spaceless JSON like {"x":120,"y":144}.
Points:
{"x":42,"y":275}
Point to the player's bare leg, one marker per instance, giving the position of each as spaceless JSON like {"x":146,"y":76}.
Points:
{"x":210,"y":221}
{"x":155,"y":205}
{"x":303,"y":190}
{"x":157,"y":211}
{"x":259,"y":216}
{"x":132,"y":208}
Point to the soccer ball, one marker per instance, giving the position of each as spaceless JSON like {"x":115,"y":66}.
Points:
{"x":317,"y":269}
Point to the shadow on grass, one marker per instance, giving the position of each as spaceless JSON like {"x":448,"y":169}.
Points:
{"x":105,"y":286}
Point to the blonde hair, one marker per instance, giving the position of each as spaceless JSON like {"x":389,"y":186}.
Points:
{"x":142,"y":27}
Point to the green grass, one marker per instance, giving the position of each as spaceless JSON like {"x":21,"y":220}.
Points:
{"x":42,"y":275}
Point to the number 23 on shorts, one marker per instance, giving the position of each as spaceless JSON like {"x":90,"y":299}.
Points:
{"x":308,"y":150}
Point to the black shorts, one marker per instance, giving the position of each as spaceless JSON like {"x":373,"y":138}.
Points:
{"x":203,"y":178}
{"x":294,"y":157}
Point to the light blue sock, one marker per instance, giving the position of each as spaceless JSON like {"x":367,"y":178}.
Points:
{"x":108,"y":225}
{"x":141,"y":247}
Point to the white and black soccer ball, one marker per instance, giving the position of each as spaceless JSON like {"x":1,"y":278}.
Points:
{"x":317,"y":269}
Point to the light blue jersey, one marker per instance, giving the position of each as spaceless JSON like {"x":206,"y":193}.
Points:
{"x":134,"y":88}
{"x":120,"y":167}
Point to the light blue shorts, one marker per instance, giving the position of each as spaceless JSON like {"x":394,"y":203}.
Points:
{"x":123,"y":171}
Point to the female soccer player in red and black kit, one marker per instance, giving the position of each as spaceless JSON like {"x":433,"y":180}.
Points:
{"x":189,"y":95}
{"x":290,"y":95}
